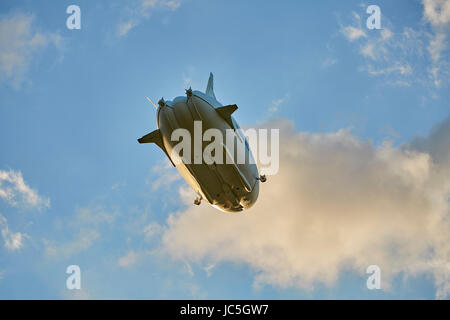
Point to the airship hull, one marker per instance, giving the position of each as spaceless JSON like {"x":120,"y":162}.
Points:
{"x":229,"y":186}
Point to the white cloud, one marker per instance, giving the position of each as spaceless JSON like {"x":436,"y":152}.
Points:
{"x":79,"y":294}
{"x":369,"y":51}
{"x":337,"y":204}
{"x":18,"y":43}
{"x":13,"y":240}
{"x":436,"y":47}
{"x":171,"y":4}
{"x":86,"y":225}
{"x":152,"y":230}
{"x":353,"y":33}
{"x":125,"y":28}
{"x":208,"y":269}
{"x":16,"y":192}
{"x":94,"y":216}
{"x":385,"y":50}
{"x":144,"y":10}
{"x":386,"y":34}
{"x":437,"y":12}
{"x":401,"y":69}
{"x":163,"y":175}
{"x":82,"y":241}
{"x":388,"y":54}
{"x":277,"y":103}
{"x":188,"y":269}
{"x":128,"y":260}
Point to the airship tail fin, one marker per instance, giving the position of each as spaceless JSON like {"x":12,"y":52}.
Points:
{"x":152,"y":137}
{"x":226,"y":112}
{"x":210,"y":87}
{"x":155,"y":137}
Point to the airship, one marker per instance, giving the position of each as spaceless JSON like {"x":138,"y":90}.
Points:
{"x":230,"y":186}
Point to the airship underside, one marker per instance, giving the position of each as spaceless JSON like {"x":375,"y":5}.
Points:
{"x":230,"y":186}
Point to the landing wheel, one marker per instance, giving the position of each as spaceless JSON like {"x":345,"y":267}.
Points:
{"x":198,"y":201}
{"x":263,"y":178}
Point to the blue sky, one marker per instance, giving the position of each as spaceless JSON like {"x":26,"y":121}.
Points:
{"x":76,"y":187}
